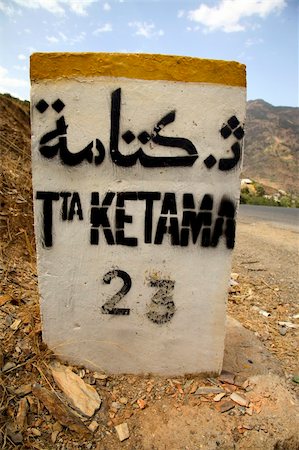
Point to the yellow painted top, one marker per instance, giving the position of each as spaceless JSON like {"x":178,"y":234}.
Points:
{"x":54,"y":66}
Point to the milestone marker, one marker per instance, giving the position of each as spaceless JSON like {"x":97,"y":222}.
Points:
{"x":136,"y":162}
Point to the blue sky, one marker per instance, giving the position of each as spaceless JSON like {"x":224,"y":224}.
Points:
{"x":263,"y":34}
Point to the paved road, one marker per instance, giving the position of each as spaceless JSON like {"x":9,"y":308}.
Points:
{"x":287,"y":218}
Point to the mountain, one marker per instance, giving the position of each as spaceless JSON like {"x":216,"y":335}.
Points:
{"x":272,"y":145}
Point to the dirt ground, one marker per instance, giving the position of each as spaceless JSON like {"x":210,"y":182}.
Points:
{"x":184,"y":413}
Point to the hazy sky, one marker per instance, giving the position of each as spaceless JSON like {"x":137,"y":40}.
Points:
{"x":263,"y":34}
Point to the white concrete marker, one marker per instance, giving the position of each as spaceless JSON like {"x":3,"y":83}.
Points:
{"x":136,"y":162}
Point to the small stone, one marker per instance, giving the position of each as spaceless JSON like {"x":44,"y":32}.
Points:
{"x":115,"y":406}
{"x":218,"y":397}
{"x":264,"y":313}
{"x":123,"y":400}
{"x":100,"y":376}
{"x":205,"y":390}
{"x":15,"y":325}
{"x":242,"y":410}
{"x":54,"y":436}
{"x":283,"y":331}
{"x":16,"y":437}
{"x":239,"y":399}
{"x":227,"y":377}
{"x":188,"y":384}
{"x":122,"y":431}
{"x":93,"y":426}
{"x":141,"y":403}
{"x":81,"y":395}
{"x":245,"y":385}
{"x":193,"y":388}
{"x":4,"y":299}
{"x":35,"y":432}
{"x":25,"y":389}
{"x":149,"y":388}
{"x":225,"y":406}
{"x":9,"y":365}
{"x":22,"y":414}
{"x":288,"y":324}
{"x":8,"y":320}
{"x":59,"y":410}
{"x":57,"y":427}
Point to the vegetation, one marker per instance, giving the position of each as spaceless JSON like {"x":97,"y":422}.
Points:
{"x":255,"y":194}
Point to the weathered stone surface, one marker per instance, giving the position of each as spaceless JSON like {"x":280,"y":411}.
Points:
{"x":93,"y":426}
{"x":225,"y":406}
{"x":15,"y":436}
{"x":22,"y":414}
{"x":205,"y":390}
{"x":82,"y":396}
{"x":227,"y":377}
{"x":218,"y":397}
{"x":23,"y":390}
{"x":122,"y":431}
{"x":239,"y":399}
{"x":241,"y":345}
{"x":61,"y":412}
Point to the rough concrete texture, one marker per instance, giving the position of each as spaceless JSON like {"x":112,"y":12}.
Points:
{"x":245,"y":354}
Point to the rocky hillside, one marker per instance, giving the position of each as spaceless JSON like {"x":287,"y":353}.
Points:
{"x":272,"y":145}
{"x":16,"y":216}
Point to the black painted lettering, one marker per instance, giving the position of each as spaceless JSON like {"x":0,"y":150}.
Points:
{"x":193,"y":221}
{"x":121,"y":218}
{"x":173,"y":230}
{"x":144,"y":137}
{"x":230,"y":232}
{"x":48,"y":198}
{"x":206,"y":237}
{"x":225,"y":223}
{"x":161,"y":230}
{"x":75,"y":207}
{"x":64,"y":208}
{"x":149,"y":198}
{"x":188,"y":201}
{"x":109,"y":305}
{"x":99,"y":218}
{"x":217,"y":232}
{"x":123,"y":196}
{"x":68,"y":158}
{"x":162,"y":307}
{"x":169,"y":204}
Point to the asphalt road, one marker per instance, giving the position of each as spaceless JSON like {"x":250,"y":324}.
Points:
{"x":286,"y":218}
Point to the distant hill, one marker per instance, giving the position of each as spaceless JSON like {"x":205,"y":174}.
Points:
{"x":272,"y":145}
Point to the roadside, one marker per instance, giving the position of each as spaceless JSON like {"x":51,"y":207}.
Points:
{"x":266,"y":257}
